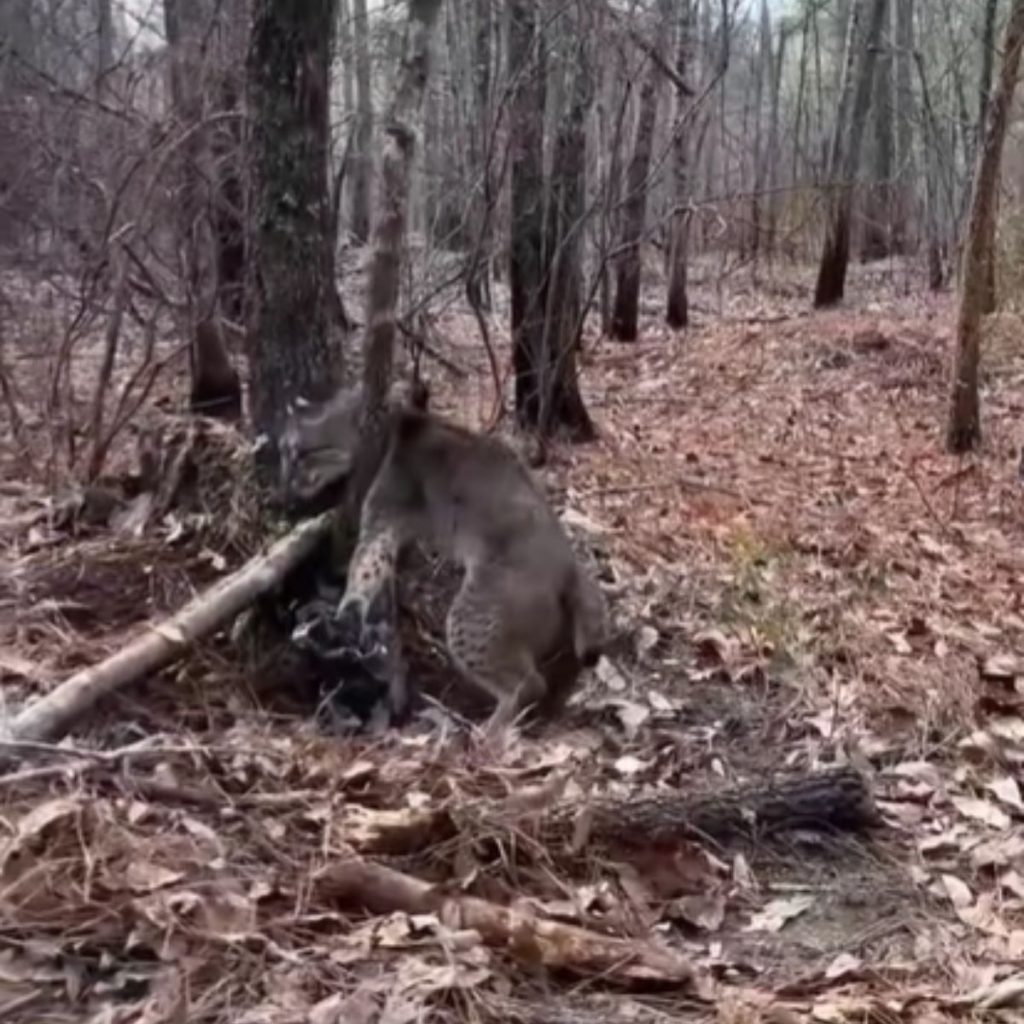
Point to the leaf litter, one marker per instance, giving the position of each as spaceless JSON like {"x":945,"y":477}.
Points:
{"x":801,"y":577}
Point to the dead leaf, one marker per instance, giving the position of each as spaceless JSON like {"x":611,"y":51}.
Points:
{"x":777,"y":913}
{"x":706,"y":912}
{"x":341,"y":1008}
{"x":1012,"y":881}
{"x":629,"y":765}
{"x":981,"y":810}
{"x":996,"y":853}
{"x":1003,"y":666}
{"x":144,"y":876}
{"x":844,"y":965}
{"x":1008,"y":792}
{"x":958,"y":892}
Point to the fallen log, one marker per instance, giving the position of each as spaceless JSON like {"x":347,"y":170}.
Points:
{"x":52,"y":715}
{"x":835,"y":799}
{"x":534,"y":940}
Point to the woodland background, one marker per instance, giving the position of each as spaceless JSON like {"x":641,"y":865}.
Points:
{"x":744,"y":277}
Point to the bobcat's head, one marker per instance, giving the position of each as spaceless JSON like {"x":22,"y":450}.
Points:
{"x":317,"y":449}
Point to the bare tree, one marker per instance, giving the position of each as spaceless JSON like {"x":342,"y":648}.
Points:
{"x":361,"y":161}
{"x":290,"y":273}
{"x":855,"y":96}
{"x":398,"y":148}
{"x":214,"y":387}
{"x":988,"y":48}
{"x":546,"y":288}
{"x":677,"y":312}
{"x":557,"y":403}
{"x":964,"y":426}
{"x":876,"y":242}
{"x":904,"y":56}
{"x":626,"y":307}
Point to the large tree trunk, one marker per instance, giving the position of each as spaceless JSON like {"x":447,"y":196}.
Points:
{"x":846,"y":146}
{"x":677,"y":313}
{"x":905,"y":115}
{"x":398,"y":149}
{"x":214,"y":386}
{"x":227,"y":200}
{"x":964,"y":426}
{"x":290,"y":273}
{"x":626,"y":308}
{"x":526,"y":263}
{"x":876,"y":243}
{"x":478,"y":277}
{"x":560,"y":406}
{"x":362,"y":158}
{"x":990,"y":296}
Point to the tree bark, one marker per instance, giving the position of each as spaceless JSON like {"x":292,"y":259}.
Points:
{"x":626,"y":307}
{"x":876,"y":243}
{"x":905,"y":116}
{"x":398,"y":149}
{"x":214,"y":386}
{"x":362,"y":156}
{"x":990,"y":297}
{"x":526,"y":264}
{"x":560,"y":407}
{"x":846,"y":146}
{"x":964,"y":426}
{"x":290,"y":289}
{"x":478,"y":277}
{"x":677,"y":311}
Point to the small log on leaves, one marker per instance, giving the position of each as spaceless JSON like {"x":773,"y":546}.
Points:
{"x":52,"y":715}
{"x":531,"y":939}
{"x":834,"y":799}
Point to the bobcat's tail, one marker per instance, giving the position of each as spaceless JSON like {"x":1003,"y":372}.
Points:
{"x":589,"y":618}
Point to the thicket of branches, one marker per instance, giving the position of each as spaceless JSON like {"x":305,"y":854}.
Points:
{"x":160,"y":172}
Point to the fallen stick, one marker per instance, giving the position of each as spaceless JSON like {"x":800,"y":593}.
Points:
{"x":831,"y":800}
{"x":530,"y":939}
{"x":52,"y":715}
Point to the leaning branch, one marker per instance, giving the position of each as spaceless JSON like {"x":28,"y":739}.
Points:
{"x":163,"y":643}
{"x":531,"y":939}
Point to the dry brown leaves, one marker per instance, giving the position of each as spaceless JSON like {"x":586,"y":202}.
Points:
{"x":800,"y":574}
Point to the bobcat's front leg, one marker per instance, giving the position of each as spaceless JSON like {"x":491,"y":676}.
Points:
{"x":367,"y":615}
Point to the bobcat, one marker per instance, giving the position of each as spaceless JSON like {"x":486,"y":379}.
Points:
{"x":527,"y":617}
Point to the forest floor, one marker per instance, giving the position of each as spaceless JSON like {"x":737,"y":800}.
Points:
{"x":803,"y":577}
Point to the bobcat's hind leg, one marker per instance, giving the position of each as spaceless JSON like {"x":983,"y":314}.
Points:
{"x":489,"y":656}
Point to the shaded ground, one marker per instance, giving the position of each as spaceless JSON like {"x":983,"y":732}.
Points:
{"x":801,"y":577}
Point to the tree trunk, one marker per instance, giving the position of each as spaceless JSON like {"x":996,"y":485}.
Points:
{"x":846,"y":145}
{"x":227,"y":207}
{"x":558,"y":406}
{"x":626,"y":308}
{"x":478,"y":278}
{"x":214,"y":388}
{"x":762,"y":66}
{"x":876,"y":243}
{"x":391,"y":216}
{"x":964,"y":427}
{"x":290,"y":274}
{"x":677,"y":313}
{"x":905,"y":116}
{"x":990,"y":297}
{"x":362,"y":158}
{"x":526,"y":66}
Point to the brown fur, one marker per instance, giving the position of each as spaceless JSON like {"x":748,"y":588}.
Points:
{"x":527,"y":618}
